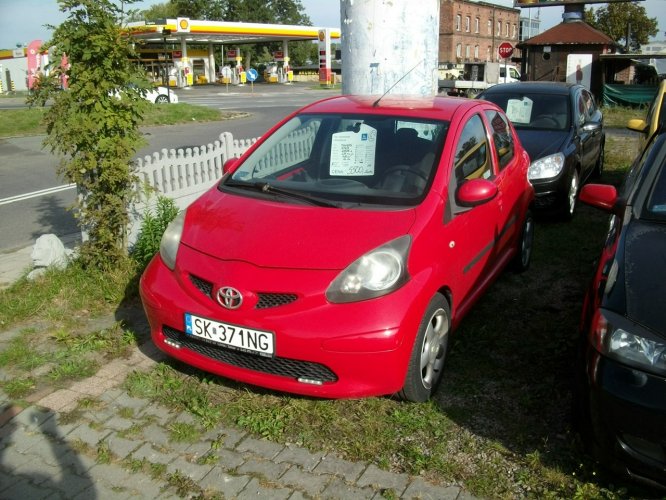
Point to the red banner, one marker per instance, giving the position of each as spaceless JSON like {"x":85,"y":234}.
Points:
{"x":34,"y":61}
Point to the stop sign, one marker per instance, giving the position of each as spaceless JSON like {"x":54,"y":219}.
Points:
{"x":505,"y":50}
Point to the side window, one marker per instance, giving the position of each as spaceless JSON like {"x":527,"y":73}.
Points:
{"x":502,"y":138}
{"x":580,"y":106}
{"x":590,"y":107}
{"x":471,"y":158}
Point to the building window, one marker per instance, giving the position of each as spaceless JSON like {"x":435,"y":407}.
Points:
{"x":488,"y":51}
{"x":458,"y":21}
{"x":499,"y":28}
{"x":490,"y":27}
{"x":459,"y":51}
{"x":476,"y":25}
{"x":467,"y":24}
{"x":513,"y":34}
{"x":506,"y":30}
{"x":476,"y":52}
{"x":467,"y":52}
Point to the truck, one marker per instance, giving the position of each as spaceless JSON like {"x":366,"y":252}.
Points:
{"x":477,"y":77}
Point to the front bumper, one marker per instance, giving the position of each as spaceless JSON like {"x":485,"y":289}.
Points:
{"x":552,"y":195}
{"x":627,"y":410}
{"x":322,"y":349}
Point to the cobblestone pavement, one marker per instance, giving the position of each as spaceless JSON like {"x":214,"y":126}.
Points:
{"x":47,"y":450}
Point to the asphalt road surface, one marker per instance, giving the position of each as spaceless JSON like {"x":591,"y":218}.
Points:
{"x":35,"y":201}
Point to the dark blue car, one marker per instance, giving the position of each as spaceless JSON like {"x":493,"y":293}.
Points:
{"x":561,"y":128}
{"x":621,"y":390}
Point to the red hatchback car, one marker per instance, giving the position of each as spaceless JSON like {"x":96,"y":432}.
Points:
{"x":336,"y":256}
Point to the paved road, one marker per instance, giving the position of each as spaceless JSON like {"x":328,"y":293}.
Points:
{"x":34,"y":201}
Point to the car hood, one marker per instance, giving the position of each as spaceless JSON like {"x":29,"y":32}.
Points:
{"x":286,"y":235}
{"x":540,"y":143}
{"x":644,"y":274}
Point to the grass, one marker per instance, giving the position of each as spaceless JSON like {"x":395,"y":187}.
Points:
{"x":499,"y":423}
{"x":28,"y":121}
{"x":618,"y":116}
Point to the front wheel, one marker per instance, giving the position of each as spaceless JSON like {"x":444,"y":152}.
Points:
{"x":572,"y":196}
{"x":426,"y":363}
{"x":161,"y":99}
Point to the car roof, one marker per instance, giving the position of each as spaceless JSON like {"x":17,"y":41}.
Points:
{"x":433,"y":107}
{"x":561,"y":88}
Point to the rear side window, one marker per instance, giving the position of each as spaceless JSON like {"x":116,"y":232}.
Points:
{"x":502,"y":138}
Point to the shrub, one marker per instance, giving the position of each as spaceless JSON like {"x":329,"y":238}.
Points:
{"x":152,"y":229}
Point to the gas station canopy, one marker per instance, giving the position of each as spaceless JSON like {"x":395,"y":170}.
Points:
{"x":221,"y":32}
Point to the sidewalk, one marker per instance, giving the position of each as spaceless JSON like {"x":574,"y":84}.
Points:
{"x":121,"y":447}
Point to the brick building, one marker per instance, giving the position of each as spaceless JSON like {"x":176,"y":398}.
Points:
{"x":471,"y":31}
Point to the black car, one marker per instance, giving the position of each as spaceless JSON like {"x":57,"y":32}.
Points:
{"x":621,"y":390}
{"x":561,"y":127}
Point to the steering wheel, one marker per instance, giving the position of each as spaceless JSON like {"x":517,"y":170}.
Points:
{"x":404,"y":169}
{"x":334,"y":182}
{"x":548,"y":119}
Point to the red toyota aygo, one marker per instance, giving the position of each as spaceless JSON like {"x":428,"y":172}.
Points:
{"x":336,"y":256}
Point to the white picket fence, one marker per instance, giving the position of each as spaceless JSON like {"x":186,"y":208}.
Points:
{"x":184,"y":174}
{"x":181,"y":174}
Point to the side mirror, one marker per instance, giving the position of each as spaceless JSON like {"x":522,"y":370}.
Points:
{"x":476,"y":192}
{"x":602,"y":196}
{"x":229,"y":165}
{"x":591,"y":126}
{"x":637,"y":125}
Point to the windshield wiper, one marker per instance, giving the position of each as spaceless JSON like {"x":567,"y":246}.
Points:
{"x":265,"y":187}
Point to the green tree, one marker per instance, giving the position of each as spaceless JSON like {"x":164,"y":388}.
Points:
{"x":618,"y":19}
{"x":165,"y":10}
{"x":94,"y":125}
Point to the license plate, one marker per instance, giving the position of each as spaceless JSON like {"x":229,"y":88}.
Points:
{"x":233,"y":336}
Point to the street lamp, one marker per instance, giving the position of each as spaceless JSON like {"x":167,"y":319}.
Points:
{"x":165,"y":33}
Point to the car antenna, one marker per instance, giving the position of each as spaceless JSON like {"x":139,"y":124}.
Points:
{"x":376,"y":103}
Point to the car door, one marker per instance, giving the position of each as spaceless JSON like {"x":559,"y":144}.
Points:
{"x":590,"y":140}
{"x":471,"y":231}
{"x":509,"y":180}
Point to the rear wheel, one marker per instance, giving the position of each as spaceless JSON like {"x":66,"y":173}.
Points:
{"x":161,"y":99}
{"x":521,"y":262}
{"x":599,"y":166}
{"x":426,"y":363}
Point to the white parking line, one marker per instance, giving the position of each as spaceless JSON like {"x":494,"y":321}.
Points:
{"x":35,"y":194}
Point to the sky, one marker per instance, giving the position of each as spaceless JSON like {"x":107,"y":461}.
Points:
{"x":22,"y":21}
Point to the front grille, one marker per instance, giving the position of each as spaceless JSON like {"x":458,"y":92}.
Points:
{"x":267,"y":300}
{"x":205,"y":287}
{"x":285,"y":367}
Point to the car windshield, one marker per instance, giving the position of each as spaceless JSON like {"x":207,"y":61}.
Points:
{"x":534,"y":110}
{"x":343,"y":159}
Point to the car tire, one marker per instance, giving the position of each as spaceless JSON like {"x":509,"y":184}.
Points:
{"x":569,"y":207}
{"x":161,"y":99}
{"x":426,"y":362}
{"x":599,"y":166}
{"x":523,"y":257}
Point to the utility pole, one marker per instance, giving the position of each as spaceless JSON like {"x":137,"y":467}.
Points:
{"x":389,"y":46}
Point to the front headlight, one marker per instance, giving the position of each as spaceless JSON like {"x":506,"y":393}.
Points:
{"x":171,"y":240}
{"x":546,"y":167}
{"x":638,"y":348}
{"x":377,"y":273}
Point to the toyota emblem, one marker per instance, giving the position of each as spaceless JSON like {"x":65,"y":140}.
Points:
{"x":229,"y":297}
